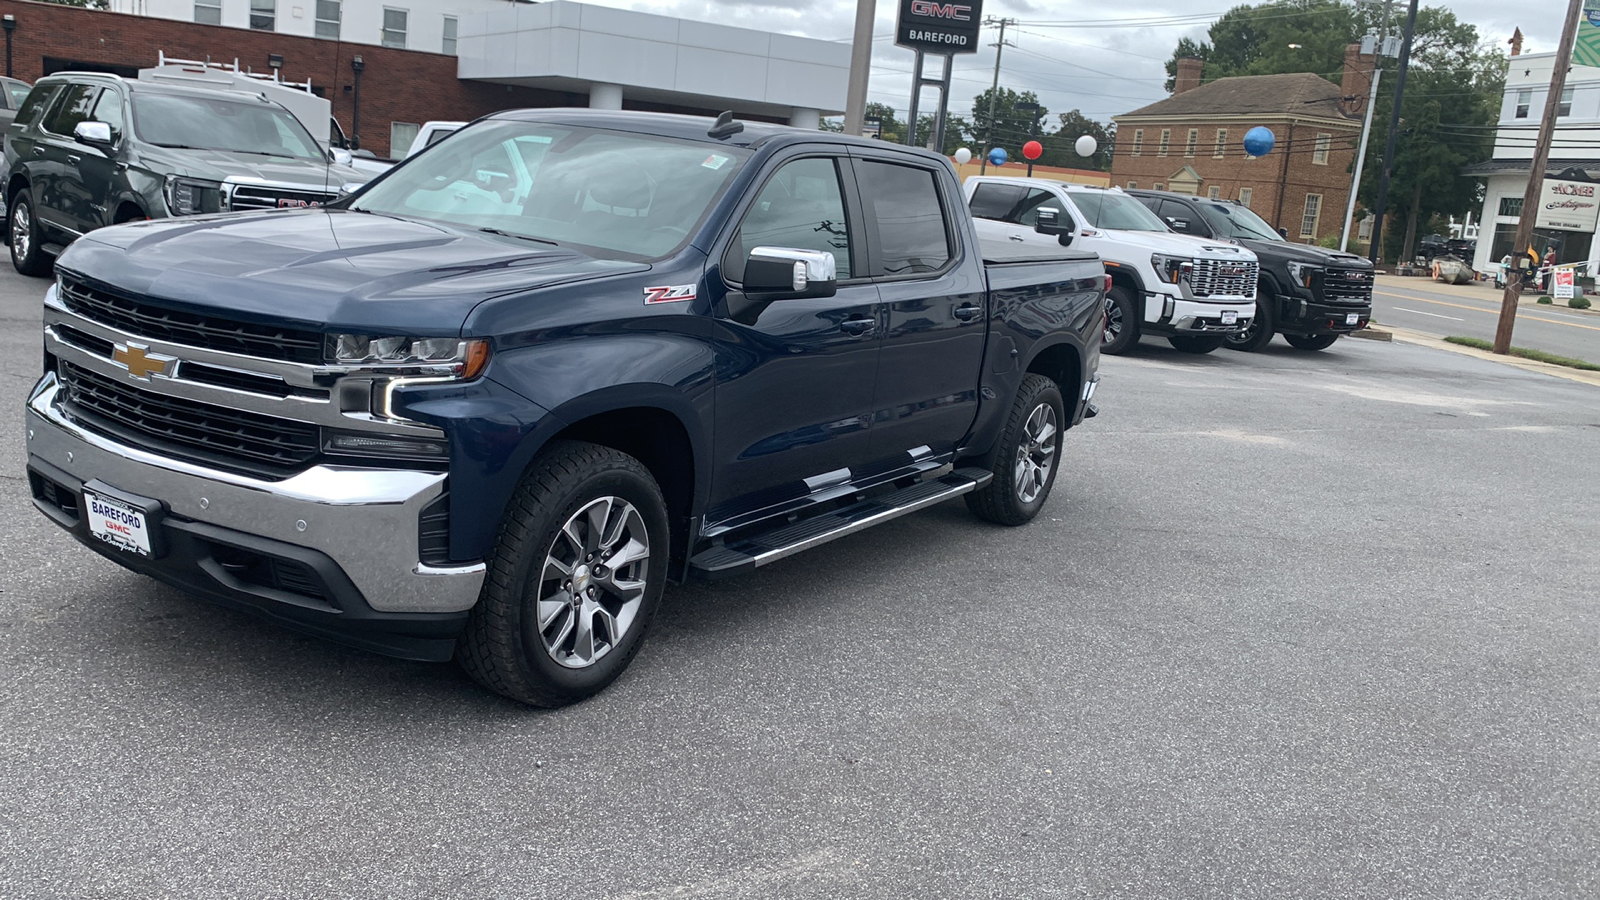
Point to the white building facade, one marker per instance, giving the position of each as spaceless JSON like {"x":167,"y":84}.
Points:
{"x":1576,"y":146}
{"x":429,"y":25}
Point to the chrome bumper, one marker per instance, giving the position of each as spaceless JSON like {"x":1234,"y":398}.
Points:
{"x":365,"y":520}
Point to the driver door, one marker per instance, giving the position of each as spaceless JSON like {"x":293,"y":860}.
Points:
{"x":1008,"y":212}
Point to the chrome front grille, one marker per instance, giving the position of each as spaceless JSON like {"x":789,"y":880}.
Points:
{"x":1347,"y":286}
{"x":1223,"y":279}
{"x":250,"y":196}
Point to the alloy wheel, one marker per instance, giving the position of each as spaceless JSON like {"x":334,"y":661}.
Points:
{"x":1113,"y":319}
{"x":1036,"y":453}
{"x":21,"y":230}
{"x":593,"y":581}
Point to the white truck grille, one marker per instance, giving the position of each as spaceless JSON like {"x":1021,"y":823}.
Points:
{"x":1223,"y":279}
{"x":273,"y":197}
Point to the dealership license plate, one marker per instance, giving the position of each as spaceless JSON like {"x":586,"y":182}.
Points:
{"x":1352,"y":318}
{"x":1230,"y":317}
{"x":117,"y":523}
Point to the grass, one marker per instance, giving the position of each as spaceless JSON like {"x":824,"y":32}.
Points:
{"x":1525,"y":353}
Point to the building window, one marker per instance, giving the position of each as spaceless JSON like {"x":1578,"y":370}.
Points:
{"x":1511,"y":206}
{"x":394,"y":28}
{"x":1166,"y":140}
{"x":1194,"y":138}
{"x":1133,"y":185}
{"x":1524,"y":98}
{"x":208,"y":12}
{"x":1565,"y":109}
{"x":1214,"y":192}
{"x":263,"y":15}
{"x":1159,"y":186}
{"x":1244,"y":196}
{"x":1138,"y":141}
{"x":1222,"y":143}
{"x":449,"y":48}
{"x":401,"y":136}
{"x":1308,"y":221}
{"x":1319,"y":155}
{"x":328,"y":14}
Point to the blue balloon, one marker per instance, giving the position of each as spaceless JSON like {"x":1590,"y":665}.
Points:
{"x":997,"y":157}
{"x":1259,"y":140}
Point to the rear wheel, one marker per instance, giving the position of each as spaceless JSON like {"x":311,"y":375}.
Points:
{"x":1311,"y":341}
{"x":23,"y":228}
{"x":1025,"y":465}
{"x":1122,"y":321}
{"x":1259,"y":334}
{"x":1195,"y":343}
{"x":574,"y":580}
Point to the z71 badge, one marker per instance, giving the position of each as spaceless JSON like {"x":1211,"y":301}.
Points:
{"x":676,"y":293}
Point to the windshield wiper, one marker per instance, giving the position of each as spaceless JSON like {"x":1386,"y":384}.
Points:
{"x":520,"y":237}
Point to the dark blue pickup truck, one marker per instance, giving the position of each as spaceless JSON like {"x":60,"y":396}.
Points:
{"x":487,"y":406}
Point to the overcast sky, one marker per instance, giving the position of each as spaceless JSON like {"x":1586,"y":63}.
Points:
{"x":1103,"y":69}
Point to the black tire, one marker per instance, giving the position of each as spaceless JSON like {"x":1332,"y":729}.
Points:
{"x":1003,"y":499}
{"x":1259,"y":334}
{"x":1311,"y":341}
{"x":504,"y":648}
{"x":1196,"y":343}
{"x":1122,"y":321}
{"x":22,"y":227}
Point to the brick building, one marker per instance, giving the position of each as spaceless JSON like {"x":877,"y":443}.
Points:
{"x":1193,"y":142}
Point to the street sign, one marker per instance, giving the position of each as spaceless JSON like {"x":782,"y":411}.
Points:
{"x":932,"y":26}
{"x":1563,"y":284}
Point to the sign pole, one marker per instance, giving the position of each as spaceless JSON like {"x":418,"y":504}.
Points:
{"x":916,"y":96}
{"x":944,"y":104}
{"x":1536,"y":171}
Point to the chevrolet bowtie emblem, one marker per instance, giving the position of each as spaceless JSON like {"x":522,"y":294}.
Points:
{"x":140,"y":362}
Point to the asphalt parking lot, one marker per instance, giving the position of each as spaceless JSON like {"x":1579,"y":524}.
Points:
{"x":1293,"y":625}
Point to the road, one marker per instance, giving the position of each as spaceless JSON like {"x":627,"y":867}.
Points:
{"x":1292,"y":625}
{"x":1474,"y":311}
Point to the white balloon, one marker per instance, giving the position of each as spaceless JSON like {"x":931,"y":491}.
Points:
{"x":1085,"y":145}
{"x":963,"y":156}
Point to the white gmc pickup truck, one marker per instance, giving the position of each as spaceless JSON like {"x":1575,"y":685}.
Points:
{"x":1193,"y":291}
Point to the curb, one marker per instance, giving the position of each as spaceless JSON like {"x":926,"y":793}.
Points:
{"x":1422,"y":340}
{"x":1373,"y":334}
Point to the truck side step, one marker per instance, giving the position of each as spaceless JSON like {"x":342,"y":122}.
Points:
{"x":744,"y":554}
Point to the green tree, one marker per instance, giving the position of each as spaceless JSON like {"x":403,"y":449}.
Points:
{"x":1278,"y":37}
{"x":82,"y":4}
{"x":955,"y":132}
{"x":1010,"y":127}
{"x":1060,"y":149}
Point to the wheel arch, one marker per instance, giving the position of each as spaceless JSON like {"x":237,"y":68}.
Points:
{"x":1062,"y":362}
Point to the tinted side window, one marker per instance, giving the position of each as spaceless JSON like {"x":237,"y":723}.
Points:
{"x":1181,"y":219}
{"x":38,"y":99}
{"x":904,"y":218}
{"x":108,"y":109}
{"x":74,"y":107}
{"x":801,"y":207}
{"x":994,"y":201}
{"x":1027,"y":213}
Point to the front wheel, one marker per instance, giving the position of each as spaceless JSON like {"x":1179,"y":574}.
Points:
{"x":1122,"y":321}
{"x":1204,"y":343}
{"x":1026,"y":462}
{"x":574,"y":580}
{"x":1311,"y":341}
{"x":23,"y":228}
{"x":1259,"y":334}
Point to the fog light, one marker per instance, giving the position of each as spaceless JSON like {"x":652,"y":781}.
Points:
{"x":358,"y":443}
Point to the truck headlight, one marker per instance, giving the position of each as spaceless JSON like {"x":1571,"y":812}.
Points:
{"x":462,"y":359}
{"x":1302,"y":273}
{"x":1172,"y":269}
{"x":193,"y":196}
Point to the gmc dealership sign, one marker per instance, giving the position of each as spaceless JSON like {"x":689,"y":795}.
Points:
{"x":932,"y":26}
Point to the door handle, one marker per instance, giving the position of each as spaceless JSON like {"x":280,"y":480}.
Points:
{"x":968,"y":312}
{"x":1015,"y":237}
{"x":73,"y":159}
{"x":858,"y":326}
{"x":38,"y":150}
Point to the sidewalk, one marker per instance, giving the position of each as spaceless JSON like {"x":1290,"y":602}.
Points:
{"x":1482,"y":291}
{"x":1406,"y":335}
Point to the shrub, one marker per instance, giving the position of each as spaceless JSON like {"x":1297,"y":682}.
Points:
{"x":1579,"y":303}
{"x":1547,"y":301}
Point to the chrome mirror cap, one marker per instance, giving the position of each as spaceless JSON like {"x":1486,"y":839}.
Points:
{"x":809,"y":267}
{"x":90,"y":132}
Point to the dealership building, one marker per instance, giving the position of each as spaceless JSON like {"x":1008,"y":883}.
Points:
{"x":390,"y":65}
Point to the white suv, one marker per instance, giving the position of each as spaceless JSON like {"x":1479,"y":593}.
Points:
{"x":1193,"y":291}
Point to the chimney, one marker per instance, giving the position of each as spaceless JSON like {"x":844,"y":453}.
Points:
{"x":1516,"y":42}
{"x":1188,"y":77}
{"x":1356,"y":83}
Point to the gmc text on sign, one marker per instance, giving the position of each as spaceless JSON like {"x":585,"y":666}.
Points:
{"x":937,"y":27}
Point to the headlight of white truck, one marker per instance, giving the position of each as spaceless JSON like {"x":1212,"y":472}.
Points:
{"x":1172,"y":269}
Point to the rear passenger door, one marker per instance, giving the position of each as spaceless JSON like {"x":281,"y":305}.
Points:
{"x":1009,"y":211}
{"x":933,"y":292}
{"x":57,"y":189}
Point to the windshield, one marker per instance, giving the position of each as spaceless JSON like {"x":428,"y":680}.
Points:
{"x":1237,"y":223}
{"x":1104,"y":209}
{"x":18,"y":91}
{"x":613,"y":194}
{"x":238,"y":126}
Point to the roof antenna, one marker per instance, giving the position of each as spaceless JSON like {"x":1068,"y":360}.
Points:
{"x":726,"y":126}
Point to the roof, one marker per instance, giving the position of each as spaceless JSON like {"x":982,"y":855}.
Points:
{"x":1520,"y":166}
{"x":156,"y":87}
{"x":1297,"y":93}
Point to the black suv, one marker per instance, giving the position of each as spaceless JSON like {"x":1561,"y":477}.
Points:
{"x":1307,"y":294}
{"x":90,"y":150}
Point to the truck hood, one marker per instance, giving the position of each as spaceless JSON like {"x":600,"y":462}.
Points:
{"x":326,"y":270}
{"x":220,"y":165}
{"x":1287,"y":252}
{"x":1179,"y":245}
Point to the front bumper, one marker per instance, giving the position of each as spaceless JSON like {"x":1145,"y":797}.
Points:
{"x":356,"y":531}
{"x":1183,"y":316}
{"x":1310,"y":317}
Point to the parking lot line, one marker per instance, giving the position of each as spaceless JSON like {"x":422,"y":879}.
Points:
{"x":1492,"y":312}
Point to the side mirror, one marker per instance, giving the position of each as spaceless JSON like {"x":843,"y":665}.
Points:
{"x":782,"y":273}
{"x":1283,"y":233}
{"x":1048,"y":221}
{"x":1179,"y":225}
{"x":350,"y":187}
{"x":95,"y":134}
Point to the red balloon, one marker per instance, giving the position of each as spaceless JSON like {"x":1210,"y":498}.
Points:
{"x":1032,"y":150}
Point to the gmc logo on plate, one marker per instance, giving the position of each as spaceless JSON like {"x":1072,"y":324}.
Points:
{"x":941,"y":10}
{"x":290,"y":203}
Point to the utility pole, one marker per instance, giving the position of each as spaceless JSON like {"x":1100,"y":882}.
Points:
{"x":1530,"y":195}
{"x":994,"y":89}
{"x":1366,"y":125}
{"x":1380,"y":209}
{"x":855,"y":97}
